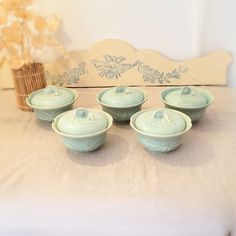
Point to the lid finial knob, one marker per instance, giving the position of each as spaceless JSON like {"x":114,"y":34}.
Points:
{"x":51,"y":90}
{"x":120,"y":89}
{"x":84,"y":113}
{"x":81,"y":112}
{"x":160,"y":115}
{"x":185,"y":91}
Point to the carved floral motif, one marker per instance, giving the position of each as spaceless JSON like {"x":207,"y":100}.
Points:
{"x":114,"y":66}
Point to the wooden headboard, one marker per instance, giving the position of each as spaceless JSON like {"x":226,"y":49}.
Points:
{"x":114,"y":62}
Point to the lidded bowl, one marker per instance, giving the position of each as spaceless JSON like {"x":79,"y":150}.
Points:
{"x":160,"y":130}
{"x":193,"y":101}
{"x":47,"y":103}
{"x":83,"y":129}
{"x":121,"y":102}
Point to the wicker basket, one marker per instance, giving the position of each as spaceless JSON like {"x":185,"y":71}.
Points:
{"x":27,"y":79}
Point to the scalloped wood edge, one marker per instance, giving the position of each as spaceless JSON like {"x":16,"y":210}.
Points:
{"x":113,"y":62}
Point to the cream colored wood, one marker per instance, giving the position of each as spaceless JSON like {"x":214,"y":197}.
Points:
{"x":113,"y":62}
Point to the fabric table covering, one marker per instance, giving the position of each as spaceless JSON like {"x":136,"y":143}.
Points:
{"x":120,"y":189}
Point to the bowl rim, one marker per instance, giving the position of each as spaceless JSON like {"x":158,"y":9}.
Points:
{"x":119,"y":107}
{"x":185,"y":117}
{"x":108,"y":116}
{"x":28,"y":100}
{"x":210,"y":97}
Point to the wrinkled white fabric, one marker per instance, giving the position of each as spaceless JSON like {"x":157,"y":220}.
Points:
{"x":120,"y":189}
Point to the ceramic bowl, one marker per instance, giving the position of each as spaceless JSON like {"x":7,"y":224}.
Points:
{"x":121,"y":102}
{"x":83,"y":130}
{"x":49,"y":102}
{"x":160,"y":130}
{"x":190,"y":100}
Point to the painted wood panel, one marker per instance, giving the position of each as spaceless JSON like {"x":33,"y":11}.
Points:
{"x":115,"y":62}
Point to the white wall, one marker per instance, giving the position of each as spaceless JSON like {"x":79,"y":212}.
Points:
{"x":220,"y":31}
{"x":177,"y":28}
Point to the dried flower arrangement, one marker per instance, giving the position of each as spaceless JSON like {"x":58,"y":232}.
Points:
{"x":24,"y":34}
{"x":25,"y":37}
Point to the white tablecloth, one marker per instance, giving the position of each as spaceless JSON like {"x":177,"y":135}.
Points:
{"x":120,"y":189}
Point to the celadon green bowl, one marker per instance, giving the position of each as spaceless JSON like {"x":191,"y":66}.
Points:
{"x":190,"y":100}
{"x":51,"y":101}
{"x":160,"y":130}
{"x":121,"y":102}
{"x":83,"y":129}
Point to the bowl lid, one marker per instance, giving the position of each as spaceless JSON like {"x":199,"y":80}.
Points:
{"x":82,"y":122}
{"x":160,"y":122}
{"x":187,"y":97}
{"x":52,"y":96}
{"x":122,"y":96}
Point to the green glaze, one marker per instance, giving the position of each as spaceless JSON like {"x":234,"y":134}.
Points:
{"x":156,"y":138}
{"x":51,"y":101}
{"x":190,"y":100}
{"x":122,"y":96}
{"x":79,"y":138}
{"x":85,"y":144}
{"x":82,"y":121}
{"x":52,"y":97}
{"x":160,"y":121}
{"x":186,"y":97}
{"x":121,"y":114}
{"x":121,"y":102}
